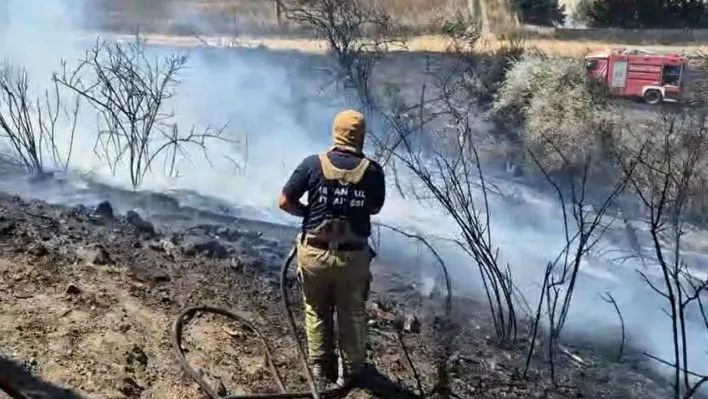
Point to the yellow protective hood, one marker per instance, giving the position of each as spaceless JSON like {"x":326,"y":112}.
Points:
{"x":348,"y":130}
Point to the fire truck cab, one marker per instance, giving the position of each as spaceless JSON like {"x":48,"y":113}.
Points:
{"x":635,"y":74}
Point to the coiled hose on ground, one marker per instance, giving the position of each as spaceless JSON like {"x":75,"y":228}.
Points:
{"x":178,"y":327}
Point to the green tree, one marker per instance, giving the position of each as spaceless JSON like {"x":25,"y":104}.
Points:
{"x":540,"y":12}
{"x":644,"y":14}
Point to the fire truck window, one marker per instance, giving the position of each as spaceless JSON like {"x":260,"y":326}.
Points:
{"x":591,"y":65}
{"x":671,"y":75}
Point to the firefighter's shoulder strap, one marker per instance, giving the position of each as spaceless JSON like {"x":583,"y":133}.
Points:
{"x":351,"y":176}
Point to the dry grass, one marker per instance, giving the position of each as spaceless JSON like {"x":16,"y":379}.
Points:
{"x":425,"y":43}
{"x":255,"y":23}
{"x":256,"y":15}
{"x":629,"y":36}
{"x":421,"y":16}
{"x":414,"y":13}
{"x":563,"y":48}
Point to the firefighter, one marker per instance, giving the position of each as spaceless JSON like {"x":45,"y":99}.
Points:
{"x":344,"y":188}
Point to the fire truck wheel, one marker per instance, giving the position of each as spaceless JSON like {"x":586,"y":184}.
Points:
{"x":652,"y":97}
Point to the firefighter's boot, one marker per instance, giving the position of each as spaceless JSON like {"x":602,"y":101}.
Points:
{"x":349,"y":377}
{"x":324,"y":376}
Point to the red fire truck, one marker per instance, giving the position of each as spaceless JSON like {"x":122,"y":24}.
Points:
{"x":637,"y":74}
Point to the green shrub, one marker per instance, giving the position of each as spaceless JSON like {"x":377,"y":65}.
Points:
{"x":558,"y":117}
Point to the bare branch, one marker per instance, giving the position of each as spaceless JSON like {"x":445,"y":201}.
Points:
{"x":607,"y":297}
{"x":443,"y":267}
{"x":671,"y":173}
{"x":131,"y":93}
{"x":31,"y":124}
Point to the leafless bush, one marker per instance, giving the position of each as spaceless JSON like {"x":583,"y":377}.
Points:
{"x":450,"y":176}
{"x":461,"y":78}
{"x":31,"y":124}
{"x":358,"y":34}
{"x":671,"y":175}
{"x":131,"y":92}
{"x":437,"y":144}
{"x":433,"y":139}
{"x":583,"y":216}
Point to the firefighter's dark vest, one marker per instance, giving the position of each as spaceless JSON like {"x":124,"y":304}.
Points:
{"x":335,"y":232}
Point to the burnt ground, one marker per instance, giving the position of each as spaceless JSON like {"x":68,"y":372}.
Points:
{"x":87,"y":300}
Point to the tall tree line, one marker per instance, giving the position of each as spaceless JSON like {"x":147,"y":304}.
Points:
{"x":644,"y":14}
{"x":539,"y":12}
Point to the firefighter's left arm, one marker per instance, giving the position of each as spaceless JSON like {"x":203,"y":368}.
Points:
{"x":296,"y":186}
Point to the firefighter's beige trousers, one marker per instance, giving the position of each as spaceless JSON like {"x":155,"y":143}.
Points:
{"x":335,"y":280}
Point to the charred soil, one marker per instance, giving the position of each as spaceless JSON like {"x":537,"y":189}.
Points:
{"x":87,"y":299}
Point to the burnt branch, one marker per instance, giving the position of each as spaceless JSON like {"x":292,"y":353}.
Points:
{"x":436,"y":254}
{"x":667,"y":183}
{"x":131,"y":92}
{"x":358,"y":34}
{"x":31,"y":124}
{"x":607,"y":297}
{"x":445,"y":327}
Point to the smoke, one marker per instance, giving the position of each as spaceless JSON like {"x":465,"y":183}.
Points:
{"x":269,"y":103}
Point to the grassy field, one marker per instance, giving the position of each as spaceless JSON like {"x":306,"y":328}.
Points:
{"x":426,"y":43}
{"x":257,"y":15}
{"x":254,"y":23}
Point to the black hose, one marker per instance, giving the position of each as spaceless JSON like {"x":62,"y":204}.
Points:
{"x":9,"y":388}
{"x":178,"y":327}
